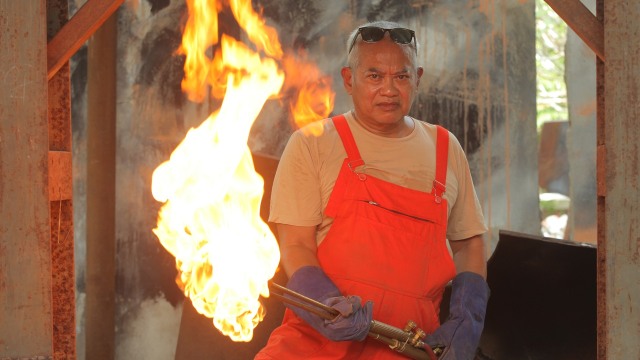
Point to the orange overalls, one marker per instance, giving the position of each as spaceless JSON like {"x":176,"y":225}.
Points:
{"x":387,"y":244}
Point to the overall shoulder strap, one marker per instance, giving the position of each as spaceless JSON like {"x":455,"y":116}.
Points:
{"x":442,"y":157}
{"x":348,"y":141}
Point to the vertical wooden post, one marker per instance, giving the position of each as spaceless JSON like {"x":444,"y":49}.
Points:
{"x":619,"y":162}
{"x":101,"y":164}
{"x":25,"y":249}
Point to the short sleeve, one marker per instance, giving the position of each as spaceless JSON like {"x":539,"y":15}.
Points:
{"x":466,"y":218}
{"x":295,"y":197}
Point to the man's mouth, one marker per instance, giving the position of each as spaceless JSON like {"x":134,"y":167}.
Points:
{"x":388,"y":106}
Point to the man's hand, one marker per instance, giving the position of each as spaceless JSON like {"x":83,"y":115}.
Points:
{"x":460,"y":334}
{"x":353,"y":320}
{"x":298,"y":248}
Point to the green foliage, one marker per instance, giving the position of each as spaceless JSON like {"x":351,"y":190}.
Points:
{"x":551,"y":90}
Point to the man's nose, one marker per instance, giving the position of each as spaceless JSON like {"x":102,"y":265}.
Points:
{"x":389,"y":87}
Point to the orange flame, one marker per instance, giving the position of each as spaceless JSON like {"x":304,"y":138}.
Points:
{"x":264,"y":37}
{"x":200,"y":33}
{"x":315,"y":97}
{"x":210,"y":220}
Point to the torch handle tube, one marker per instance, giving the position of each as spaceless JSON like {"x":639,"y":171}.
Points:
{"x":327,"y":312}
{"x":310,"y":308}
{"x":397,"y":339}
{"x":402,"y":347}
{"x":393,"y":332}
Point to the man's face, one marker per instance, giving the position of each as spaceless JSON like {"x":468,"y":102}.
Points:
{"x":383,"y":84}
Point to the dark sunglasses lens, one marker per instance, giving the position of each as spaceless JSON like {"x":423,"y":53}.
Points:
{"x":401,"y":36}
{"x":372,"y":34}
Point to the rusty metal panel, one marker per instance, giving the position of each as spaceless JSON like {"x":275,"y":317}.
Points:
{"x":622,"y":178}
{"x":63,"y":280}
{"x":60,"y":195}
{"x":60,"y":111}
{"x":60,"y":179}
{"x":25,"y":261}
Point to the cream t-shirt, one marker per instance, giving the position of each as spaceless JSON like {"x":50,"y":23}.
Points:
{"x":311,"y":161}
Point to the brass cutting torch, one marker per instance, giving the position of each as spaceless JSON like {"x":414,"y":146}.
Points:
{"x":407,"y":341}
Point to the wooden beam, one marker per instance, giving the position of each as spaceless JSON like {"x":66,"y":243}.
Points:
{"x":601,"y":181}
{"x":621,"y":131}
{"x":25,"y":261}
{"x":582,"y":21}
{"x":75,"y":32}
{"x":100,"y":275}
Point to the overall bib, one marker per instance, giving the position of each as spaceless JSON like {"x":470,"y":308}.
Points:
{"x":387,"y":244}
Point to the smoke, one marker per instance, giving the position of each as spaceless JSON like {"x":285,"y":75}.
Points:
{"x":150,"y":331}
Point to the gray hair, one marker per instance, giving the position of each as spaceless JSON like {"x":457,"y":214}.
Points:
{"x":352,"y":57}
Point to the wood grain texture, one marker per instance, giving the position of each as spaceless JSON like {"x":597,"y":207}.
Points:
{"x":83,"y":24}
{"x":25,"y":259}
{"x":582,"y":21}
{"x":622,"y":164}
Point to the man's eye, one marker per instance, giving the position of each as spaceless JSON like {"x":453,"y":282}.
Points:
{"x":403,"y":77}
{"x":374,"y":76}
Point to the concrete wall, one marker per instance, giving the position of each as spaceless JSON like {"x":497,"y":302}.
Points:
{"x":580,"y":68}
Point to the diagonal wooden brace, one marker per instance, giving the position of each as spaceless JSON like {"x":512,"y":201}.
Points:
{"x":582,"y":21}
{"x":76,"y":31}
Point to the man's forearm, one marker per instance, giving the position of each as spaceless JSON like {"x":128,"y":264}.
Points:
{"x":469,"y":255}
{"x":294,"y":257}
{"x":297,"y":247}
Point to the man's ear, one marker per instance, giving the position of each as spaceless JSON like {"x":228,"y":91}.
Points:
{"x":347,"y":78}
{"x":419,"y":72}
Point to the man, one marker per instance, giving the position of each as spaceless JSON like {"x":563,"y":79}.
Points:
{"x":364,"y":204}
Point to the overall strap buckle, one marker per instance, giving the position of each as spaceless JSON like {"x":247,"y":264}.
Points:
{"x":438,"y":190}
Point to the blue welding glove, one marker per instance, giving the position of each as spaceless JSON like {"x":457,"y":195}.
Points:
{"x":353,"y":320}
{"x":460,"y":334}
